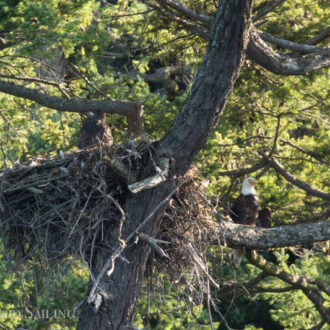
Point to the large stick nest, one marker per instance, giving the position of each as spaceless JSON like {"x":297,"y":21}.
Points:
{"x":53,"y":208}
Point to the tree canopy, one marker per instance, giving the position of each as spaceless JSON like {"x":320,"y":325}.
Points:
{"x":237,"y":88}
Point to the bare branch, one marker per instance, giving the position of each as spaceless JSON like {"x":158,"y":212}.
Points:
{"x":243,"y":171}
{"x":30,"y":79}
{"x":239,"y":236}
{"x":319,"y":37}
{"x":306,"y":152}
{"x":239,"y":289}
{"x":266,"y":8}
{"x":290,"y":44}
{"x":190,"y":26}
{"x":301,"y":184}
{"x":315,"y":217}
{"x":152,"y":181}
{"x":282,"y":64}
{"x":125,"y":108}
{"x":153,"y":243}
{"x":181,"y":9}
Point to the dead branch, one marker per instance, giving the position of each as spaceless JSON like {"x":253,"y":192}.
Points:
{"x":153,"y":181}
{"x":243,"y":171}
{"x":153,"y":243}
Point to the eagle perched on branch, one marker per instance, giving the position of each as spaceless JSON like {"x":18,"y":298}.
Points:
{"x":264,"y":218}
{"x":245,"y":211}
{"x":246,"y":206}
{"x":95,"y":131}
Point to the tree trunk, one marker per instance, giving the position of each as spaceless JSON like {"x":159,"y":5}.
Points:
{"x":120,"y":291}
{"x":211,"y":88}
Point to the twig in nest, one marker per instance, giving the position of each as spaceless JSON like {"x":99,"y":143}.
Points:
{"x":152,"y":181}
{"x":201,"y":265}
{"x":154,"y":244}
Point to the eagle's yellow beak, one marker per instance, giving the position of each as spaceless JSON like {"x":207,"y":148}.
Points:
{"x":254,"y":182}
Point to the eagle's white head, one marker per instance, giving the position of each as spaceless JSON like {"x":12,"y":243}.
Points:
{"x":248,"y":186}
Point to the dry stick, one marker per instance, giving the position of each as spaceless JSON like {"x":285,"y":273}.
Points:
{"x":199,"y":262}
{"x":120,"y":249}
{"x":208,"y":303}
{"x":152,"y":242}
{"x":81,"y":213}
{"x":84,"y":260}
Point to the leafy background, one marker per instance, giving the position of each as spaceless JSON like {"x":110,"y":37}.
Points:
{"x":108,"y":43}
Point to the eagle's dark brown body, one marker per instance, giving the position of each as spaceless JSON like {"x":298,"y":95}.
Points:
{"x":245,"y":209}
{"x":95,"y":131}
{"x":264,"y":218}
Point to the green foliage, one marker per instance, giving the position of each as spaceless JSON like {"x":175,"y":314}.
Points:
{"x":106,"y":44}
{"x":31,"y":297}
{"x":292,"y":309}
{"x":166,"y":312}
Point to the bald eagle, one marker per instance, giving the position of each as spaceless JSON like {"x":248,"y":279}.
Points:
{"x":245,"y":207}
{"x":245,"y":211}
{"x":264,"y":218}
{"x":95,"y":131}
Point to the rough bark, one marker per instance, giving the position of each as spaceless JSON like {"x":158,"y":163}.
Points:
{"x":283,"y":64}
{"x":258,"y":50}
{"x":238,"y":236}
{"x":212,"y":86}
{"x":125,"y":108}
{"x":132,"y":111}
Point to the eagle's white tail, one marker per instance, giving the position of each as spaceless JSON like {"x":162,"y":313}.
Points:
{"x":237,"y":257}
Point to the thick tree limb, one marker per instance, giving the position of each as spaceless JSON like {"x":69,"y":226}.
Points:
{"x":133,"y":111}
{"x":212,"y":84}
{"x":299,"y":282}
{"x":258,"y":50}
{"x":282,"y":64}
{"x":239,"y":236}
{"x":278,"y":167}
{"x":125,"y":108}
{"x":319,"y":37}
{"x":290,"y":44}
